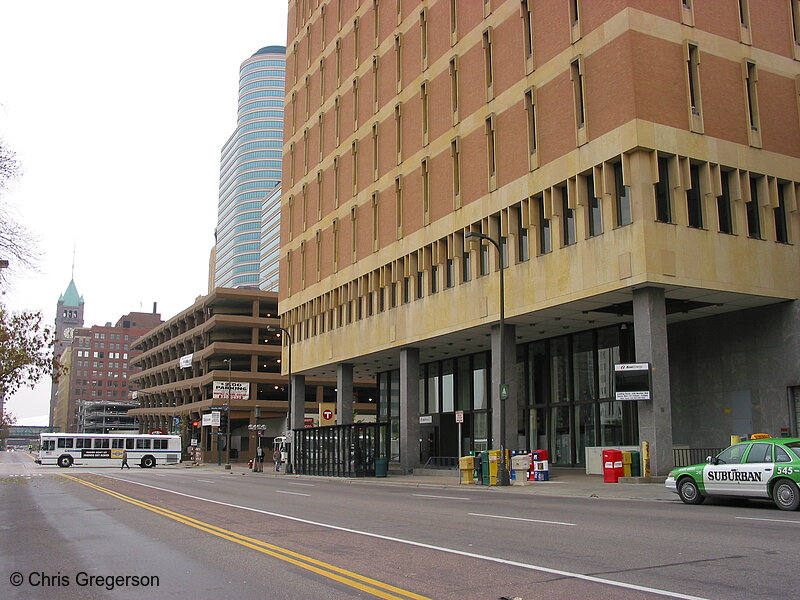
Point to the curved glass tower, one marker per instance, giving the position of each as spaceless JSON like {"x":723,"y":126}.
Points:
{"x":250,"y":168}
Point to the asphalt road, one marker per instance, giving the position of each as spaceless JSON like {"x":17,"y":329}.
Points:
{"x":209,"y":533}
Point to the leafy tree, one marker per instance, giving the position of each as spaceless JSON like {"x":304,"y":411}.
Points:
{"x":26,"y":350}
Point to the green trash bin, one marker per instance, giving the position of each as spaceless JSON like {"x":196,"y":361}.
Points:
{"x":381,"y":467}
{"x":636,"y":464}
{"x":485,"y":468}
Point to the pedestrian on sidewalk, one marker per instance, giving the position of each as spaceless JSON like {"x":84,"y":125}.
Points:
{"x":124,"y":460}
{"x":277,"y":456}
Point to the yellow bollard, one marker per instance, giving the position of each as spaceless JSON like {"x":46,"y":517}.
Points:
{"x":646,"y":459}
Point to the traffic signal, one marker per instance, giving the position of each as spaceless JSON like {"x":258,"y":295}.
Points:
{"x":195,"y":424}
{"x":223,"y":421}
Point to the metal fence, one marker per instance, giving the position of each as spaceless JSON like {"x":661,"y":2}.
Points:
{"x":683,"y":457}
{"x":441,"y":462}
{"x":340,"y":450}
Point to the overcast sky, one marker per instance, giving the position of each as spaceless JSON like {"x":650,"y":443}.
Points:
{"x":117,"y":111}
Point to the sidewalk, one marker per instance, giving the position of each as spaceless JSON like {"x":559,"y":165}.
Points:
{"x":563,"y":482}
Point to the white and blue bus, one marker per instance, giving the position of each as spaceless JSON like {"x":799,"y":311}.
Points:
{"x":105,"y":449}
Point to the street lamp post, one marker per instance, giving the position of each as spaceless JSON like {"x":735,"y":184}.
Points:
{"x":502,"y":469}
{"x":290,"y":461}
{"x":228,"y":421}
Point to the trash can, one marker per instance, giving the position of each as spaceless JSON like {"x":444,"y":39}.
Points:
{"x":381,"y":467}
{"x":466,"y":465}
{"x":612,"y":465}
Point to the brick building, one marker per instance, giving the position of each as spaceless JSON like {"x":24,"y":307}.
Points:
{"x":636,"y":161}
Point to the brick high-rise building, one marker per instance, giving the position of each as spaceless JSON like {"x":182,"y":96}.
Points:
{"x":637,"y":163}
{"x":95,"y":395}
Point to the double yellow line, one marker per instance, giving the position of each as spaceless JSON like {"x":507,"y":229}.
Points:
{"x":354,"y":580}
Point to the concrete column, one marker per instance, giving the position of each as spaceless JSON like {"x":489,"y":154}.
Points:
{"x":409,"y":409}
{"x":298,"y":411}
{"x":510,"y":378}
{"x":655,"y":415}
{"x":344,"y":394}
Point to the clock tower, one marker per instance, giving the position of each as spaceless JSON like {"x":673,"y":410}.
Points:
{"x":69,"y":316}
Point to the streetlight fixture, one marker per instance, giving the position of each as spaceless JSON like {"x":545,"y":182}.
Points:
{"x":228,"y":420}
{"x":502,"y":468}
{"x":290,"y":431}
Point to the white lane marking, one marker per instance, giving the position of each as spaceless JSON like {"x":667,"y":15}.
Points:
{"x":305,"y":484}
{"x":443,"y":497}
{"x":205,"y":481}
{"x":772,"y":520}
{"x":520,"y":519}
{"x":493,"y":559}
{"x":293,"y":493}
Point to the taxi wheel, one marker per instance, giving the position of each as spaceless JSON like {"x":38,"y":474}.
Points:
{"x":689,"y":492}
{"x":786,"y":495}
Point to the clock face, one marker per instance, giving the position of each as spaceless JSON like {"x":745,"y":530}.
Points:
{"x":68,"y":333}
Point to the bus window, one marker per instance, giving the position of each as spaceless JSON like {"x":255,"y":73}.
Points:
{"x":129,"y":444}
{"x":48,"y":445}
{"x":159,"y":444}
{"x":83,"y":443}
{"x":101,"y":443}
{"x":65,"y":442}
{"x":143,"y":444}
{"x":117,"y":443}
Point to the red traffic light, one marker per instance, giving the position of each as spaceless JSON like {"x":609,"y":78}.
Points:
{"x":195,"y":423}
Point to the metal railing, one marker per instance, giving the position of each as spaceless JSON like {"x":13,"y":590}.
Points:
{"x":441,"y":462}
{"x":683,"y":457}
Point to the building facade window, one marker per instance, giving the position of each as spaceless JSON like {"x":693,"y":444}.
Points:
{"x":662,"y":189}
{"x":724,"y":216}
{"x":753,"y":211}
{"x":622,"y":198}
{"x":779,"y":212}
{"x":694,"y":198}
{"x":594,"y":208}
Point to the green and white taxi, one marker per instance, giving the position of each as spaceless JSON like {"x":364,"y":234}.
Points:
{"x":757,"y":468}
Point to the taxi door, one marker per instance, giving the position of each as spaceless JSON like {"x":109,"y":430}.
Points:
{"x":756,"y":471}
{"x":720,"y":477}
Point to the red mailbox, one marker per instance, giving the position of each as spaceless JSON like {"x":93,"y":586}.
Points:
{"x":612,"y":466}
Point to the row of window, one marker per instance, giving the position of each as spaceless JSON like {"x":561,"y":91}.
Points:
{"x":442,"y":263}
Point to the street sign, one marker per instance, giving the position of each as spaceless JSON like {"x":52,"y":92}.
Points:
{"x":176,"y":420}
{"x":193,"y":442}
{"x":327,"y":414}
{"x":459,"y":416}
{"x":215,"y":418}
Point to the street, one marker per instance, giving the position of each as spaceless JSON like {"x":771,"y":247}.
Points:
{"x":178,"y":532}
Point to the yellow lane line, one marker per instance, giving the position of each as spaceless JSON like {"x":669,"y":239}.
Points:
{"x":366,"y":584}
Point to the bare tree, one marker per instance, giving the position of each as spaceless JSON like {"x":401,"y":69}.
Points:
{"x":17,"y":245}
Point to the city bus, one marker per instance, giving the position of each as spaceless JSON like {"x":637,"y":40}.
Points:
{"x":105,"y":449}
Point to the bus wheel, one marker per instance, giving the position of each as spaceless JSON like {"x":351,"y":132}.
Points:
{"x":148,"y":462}
{"x":65,"y":461}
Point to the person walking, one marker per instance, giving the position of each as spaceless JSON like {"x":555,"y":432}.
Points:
{"x":259,"y":464}
{"x":124,"y":460}
{"x":277,"y":456}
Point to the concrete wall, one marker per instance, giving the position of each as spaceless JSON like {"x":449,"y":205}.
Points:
{"x":731,"y":370}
